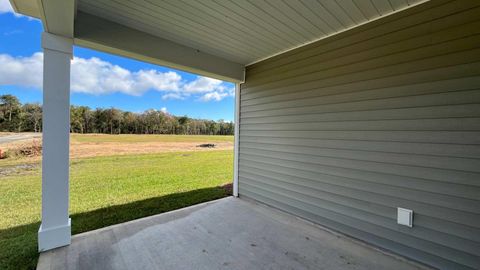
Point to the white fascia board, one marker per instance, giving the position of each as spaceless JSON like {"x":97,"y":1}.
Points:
{"x":14,"y":5}
{"x":26,"y":7}
{"x":58,"y":16}
{"x":103,"y":35}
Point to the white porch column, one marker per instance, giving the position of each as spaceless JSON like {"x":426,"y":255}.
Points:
{"x":236,"y":138}
{"x":55,"y":229}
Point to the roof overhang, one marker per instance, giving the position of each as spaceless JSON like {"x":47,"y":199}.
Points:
{"x":57,"y":16}
{"x":211,"y":38}
{"x":104,"y":35}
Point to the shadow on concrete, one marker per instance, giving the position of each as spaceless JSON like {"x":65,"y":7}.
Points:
{"x":18,"y":245}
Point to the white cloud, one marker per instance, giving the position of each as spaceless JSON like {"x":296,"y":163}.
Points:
{"x":5,"y":7}
{"x":216,"y":96}
{"x":212,"y":89}
{"x":91,"y":76}
{"x":203,"y":85}
{"x":164,"y":109}
{"x":171,"y":96}
{"x":24,"y":71}
{"x":95,"y":76}
{"x":98,"y":77}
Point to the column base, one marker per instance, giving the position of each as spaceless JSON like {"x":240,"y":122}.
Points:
{"x":51,"y":238}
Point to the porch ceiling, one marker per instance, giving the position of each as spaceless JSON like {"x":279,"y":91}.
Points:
{"x":228,"y":33}
{"x":242,"y":31}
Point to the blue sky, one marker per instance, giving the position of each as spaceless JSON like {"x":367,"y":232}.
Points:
{"x":104,"y":80}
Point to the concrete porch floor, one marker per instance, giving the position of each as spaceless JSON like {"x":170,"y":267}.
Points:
{"x":229,"y":233}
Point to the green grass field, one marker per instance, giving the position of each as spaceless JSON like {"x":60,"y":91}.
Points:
{"x":108,"y":190}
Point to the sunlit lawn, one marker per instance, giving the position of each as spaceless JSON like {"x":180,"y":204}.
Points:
{"x":109,"y":190}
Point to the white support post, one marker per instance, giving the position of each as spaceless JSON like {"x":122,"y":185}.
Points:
{"x":236,"y":139}
{"x":55,"y":228}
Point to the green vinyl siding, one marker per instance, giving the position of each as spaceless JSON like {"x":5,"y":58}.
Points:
{"x":345,"y":130}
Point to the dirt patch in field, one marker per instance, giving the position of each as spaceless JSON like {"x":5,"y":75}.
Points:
{"x":18,"y":169}
{"x":93,"y":149}
{"x":83,"y":149}
{"x":17,"y":144}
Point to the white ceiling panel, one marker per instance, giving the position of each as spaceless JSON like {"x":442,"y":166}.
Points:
{"x":242,"y":31}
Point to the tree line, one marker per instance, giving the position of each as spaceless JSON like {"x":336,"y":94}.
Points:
{"x":18,"y":117}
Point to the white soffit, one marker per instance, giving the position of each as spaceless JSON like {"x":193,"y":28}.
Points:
{"x":214,"y":38}
{"x":242,"y":31}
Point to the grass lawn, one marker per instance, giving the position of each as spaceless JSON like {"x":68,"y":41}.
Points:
{"x":109,"y":190}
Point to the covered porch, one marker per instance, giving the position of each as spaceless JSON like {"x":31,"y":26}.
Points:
{"x":362,"y":116}
{"x":228,"y":233}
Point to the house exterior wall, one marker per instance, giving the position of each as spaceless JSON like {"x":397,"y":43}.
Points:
{"x":345,"y":130}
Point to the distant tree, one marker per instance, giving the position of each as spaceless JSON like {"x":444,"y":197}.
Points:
{"x":76,"y":119}
{"x":11,"y":113}
{"x":183,"y":124}
{"x":32,"y":117}
{"x":15,"y":117}
{"x":130,"y":123}
{"x":87,"y":118}
{"x":116,"y":117}
{"x":99,"y":121}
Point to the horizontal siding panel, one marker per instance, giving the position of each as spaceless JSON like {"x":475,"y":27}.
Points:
{"x":345,"y":130}
{"x":426,"y":203}
{"x":359,"y":177}
{"x":362,"y":219}
{"x":358,"y":92}
{"x":464,"y":26}
{"x":439,"y":137}
{"x":449,"y":176}
{"x":342,"y":224}
{"x":435,"y":57}
{"x":445,"y":124}
{"x":367,"y":227}
{"x":451,"y":111}
{"x":376,"y":204}
{"x":453,"y":150}
{"x":332,"y":86}
{"x":450,"y":163}
{"x":384,"y":214}
{"x":339,"y":104}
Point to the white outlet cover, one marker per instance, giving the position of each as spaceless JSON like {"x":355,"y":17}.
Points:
{"x":405,"y":217}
